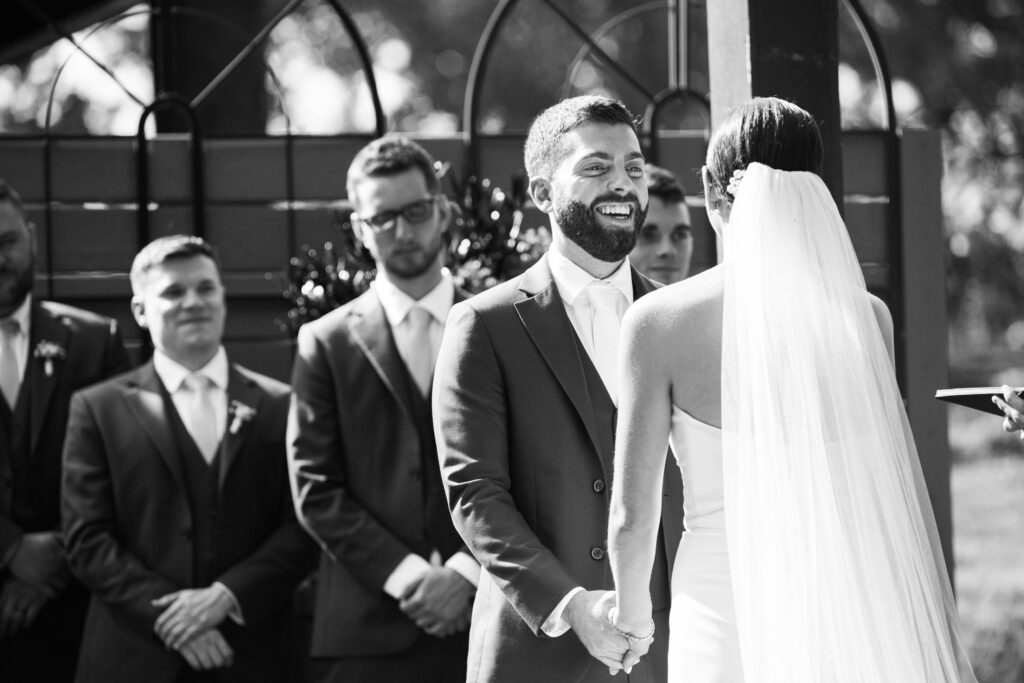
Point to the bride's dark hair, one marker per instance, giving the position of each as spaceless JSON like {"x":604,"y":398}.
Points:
{"x":766,"y":130}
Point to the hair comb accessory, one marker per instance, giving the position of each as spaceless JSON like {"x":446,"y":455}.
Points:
{"x":734,"y":182}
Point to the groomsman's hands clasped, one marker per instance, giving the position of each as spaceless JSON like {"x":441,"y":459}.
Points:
{"x":189,"y":625}
{"x":40,"y":571}
{"x":440,"y":603}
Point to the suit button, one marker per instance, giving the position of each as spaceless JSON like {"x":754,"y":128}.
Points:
{"x":416,"y":475}
{"x":187,"y":535}
{"x":597,"y":553}
{"x":598,"y":485}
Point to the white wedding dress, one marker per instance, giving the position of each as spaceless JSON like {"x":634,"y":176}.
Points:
{"x":811,"y":553}
{"x":703,"y":641}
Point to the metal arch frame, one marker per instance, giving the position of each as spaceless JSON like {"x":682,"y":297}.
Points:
{"x":165,"y":100}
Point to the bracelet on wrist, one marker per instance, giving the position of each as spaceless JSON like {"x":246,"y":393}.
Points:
{"x":632,"y":637}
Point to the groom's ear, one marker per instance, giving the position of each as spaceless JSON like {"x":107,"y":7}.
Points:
{"x":540,"y":192}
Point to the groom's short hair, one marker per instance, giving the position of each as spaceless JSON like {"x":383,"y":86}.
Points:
{"x":543,"y":148}
{"x":388,"y":156}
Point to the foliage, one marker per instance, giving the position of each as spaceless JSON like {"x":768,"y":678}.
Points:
{"x":486,"y":244}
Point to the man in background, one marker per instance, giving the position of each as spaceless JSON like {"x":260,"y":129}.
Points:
{"x":665,"y":243}
{"x":177,"y":513}
{"x":396,"y":583}
{"x":47,"y":351}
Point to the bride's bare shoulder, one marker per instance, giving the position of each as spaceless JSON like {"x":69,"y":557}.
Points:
{"x":678,"y":306}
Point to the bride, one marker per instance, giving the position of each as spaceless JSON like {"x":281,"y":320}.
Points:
{"x":811,"y":553}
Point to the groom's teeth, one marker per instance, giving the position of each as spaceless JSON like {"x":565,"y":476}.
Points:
{"x":617,"y":210}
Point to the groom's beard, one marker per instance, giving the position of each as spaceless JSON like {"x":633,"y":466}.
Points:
{"x":581,"y":224}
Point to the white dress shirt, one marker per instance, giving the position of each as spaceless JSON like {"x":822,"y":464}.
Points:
{"x":571,"y":282}
{"x":23,"y":316}
{"x":172,"y":374}
{"x":397,"y":304}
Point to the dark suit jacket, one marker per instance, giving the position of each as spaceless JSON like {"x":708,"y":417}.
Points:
{"x":128,"y":527}
{"x":93,"y":351}
{"x":364,"y":487}
{"x":30,"y":472}
{"x":527,"y":466}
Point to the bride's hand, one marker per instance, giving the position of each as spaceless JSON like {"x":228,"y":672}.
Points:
{"x":640,"y":637}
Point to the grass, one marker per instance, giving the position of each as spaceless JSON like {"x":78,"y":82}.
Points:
{"x":988,"y":518}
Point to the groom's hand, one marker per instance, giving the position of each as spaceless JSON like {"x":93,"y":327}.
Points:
{"x":587,"y":615}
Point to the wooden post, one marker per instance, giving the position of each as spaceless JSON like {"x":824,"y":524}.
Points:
{"x":784,"y":48}
{"x":924,"y":306}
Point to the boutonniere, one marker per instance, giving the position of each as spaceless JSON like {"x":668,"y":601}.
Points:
{"x":240,"y":414}
{"x":48,"y":351}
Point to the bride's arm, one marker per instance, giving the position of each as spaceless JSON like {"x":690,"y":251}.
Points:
{"x":641,"y":443}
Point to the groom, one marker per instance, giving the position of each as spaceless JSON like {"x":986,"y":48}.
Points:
{"x":524,"y":410}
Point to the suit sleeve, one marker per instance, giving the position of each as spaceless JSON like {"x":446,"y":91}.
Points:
{"x":471,"y":427}
{"x":276,"y":567}
{"x":345,"y":530}
{"x":111,"y":572}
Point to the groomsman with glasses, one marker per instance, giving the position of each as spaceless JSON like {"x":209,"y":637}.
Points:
{"x":396,"y":583}
{"x":47,"y":351}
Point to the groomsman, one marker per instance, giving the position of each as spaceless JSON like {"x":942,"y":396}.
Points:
{"x":664,"y":246}
{"x":395,"y":583}
{"x":47,"y":351}
{"x":177,"y":513}
{"x":524,"y":408}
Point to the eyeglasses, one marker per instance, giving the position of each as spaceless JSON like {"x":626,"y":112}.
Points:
{"x":415,"y":213}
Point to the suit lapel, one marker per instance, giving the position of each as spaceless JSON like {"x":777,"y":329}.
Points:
{"x":372,"y":334}
{"x":543,"y":315}
{"x":145,"y":399}
{"x":243,"y":394}
{"x":44,"y":328}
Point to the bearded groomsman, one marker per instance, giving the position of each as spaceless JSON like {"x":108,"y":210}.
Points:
{"x":47,"y":351}
{"x":395,"y":582}
{"x":177,"y":513}
{"x":524,"y":409}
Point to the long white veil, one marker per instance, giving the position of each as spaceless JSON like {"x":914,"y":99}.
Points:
{"x":836,"y":563}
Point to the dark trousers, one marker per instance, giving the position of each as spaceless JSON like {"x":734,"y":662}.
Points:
{"x":429,"y":660}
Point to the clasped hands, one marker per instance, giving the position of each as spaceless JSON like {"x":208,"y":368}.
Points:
{"x":39,"y":571}
{"x":440,"y":602}
{"x":189,"y":624}
{"x":590,"y":614}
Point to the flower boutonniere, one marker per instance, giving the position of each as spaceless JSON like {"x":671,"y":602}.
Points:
{"x":240,"y":414}
{"x":48,"y":352}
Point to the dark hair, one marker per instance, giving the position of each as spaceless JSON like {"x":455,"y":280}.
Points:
{"x":543,"y":143}
{"x":9,"y":194}
{"x":169,"y":248}
{"x":766,"y":130}
{"x":664,"y":184}
{"x":388,"y":156}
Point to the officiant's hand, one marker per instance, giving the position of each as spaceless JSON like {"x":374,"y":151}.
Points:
{"x":438,"y":603}
{"x":1013,"y":407}
{"x":587,"y":614}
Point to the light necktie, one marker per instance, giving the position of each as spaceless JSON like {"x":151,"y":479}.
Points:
{"x":10,"y":377}
{"x":420,"y":361}
{"x":605,"y":324}
{"x":201,"y":420}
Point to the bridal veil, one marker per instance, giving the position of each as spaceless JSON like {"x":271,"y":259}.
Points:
{"x":836,"y":563}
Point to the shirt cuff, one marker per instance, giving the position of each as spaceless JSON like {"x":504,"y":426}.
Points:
{"x":555,"y":625}
{"x":410,"y":570}
{"x":465,"y":566}
{"x":235,"y":613}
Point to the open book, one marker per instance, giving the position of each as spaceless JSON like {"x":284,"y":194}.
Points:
{"x":979,"y":398}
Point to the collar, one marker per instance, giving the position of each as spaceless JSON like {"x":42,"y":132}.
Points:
{"x":23,"y":315}
{"x":571,"y":280}
{"x":397,"y":303}
{"x":172,"y":373}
